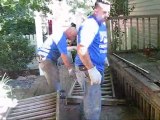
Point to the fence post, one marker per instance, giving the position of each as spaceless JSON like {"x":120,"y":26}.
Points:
{"x":39,"y":36}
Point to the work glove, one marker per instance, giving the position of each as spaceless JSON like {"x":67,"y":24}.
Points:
{"x":72,"y":73}
{"x":95,"y":76}
{"x":106,"y":61}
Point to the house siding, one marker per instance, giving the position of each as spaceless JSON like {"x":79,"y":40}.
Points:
{"x":144,"y":7}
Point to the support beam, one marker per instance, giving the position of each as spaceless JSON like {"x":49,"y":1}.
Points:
{"x":39,"y":36}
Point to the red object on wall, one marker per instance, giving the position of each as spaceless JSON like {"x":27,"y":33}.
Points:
{"x":50,"y":26}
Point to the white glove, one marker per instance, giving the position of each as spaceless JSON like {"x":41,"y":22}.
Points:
{"x":106,"y":61}
{"x":72,"y":72}
{"x":95,"y":76}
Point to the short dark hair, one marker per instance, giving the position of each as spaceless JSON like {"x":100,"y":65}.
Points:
{"x":102,"y":1}
{"x":73,"y":25}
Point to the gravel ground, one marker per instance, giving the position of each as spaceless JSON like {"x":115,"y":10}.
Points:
{"x":25,"y":84}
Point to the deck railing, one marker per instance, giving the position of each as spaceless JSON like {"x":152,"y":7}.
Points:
{"x":134,"y":32}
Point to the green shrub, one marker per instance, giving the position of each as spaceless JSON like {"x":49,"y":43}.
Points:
{"x":15,"y":53}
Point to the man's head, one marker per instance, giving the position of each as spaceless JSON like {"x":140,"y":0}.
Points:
{"x":102,"y":10}
{"x":71,"y":32}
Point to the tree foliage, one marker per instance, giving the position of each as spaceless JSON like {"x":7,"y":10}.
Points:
{"x":18,"y":15}
{"x":17,"y":20}
{"x":120,"y":7}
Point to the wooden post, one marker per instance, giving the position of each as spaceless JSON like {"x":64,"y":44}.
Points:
{"x":39,"y":36}
{"x":143,"y":30}
{"x":109,"y":31}
{"x":158,"y":31}
{"x":137,"y":21}
{"x":131,"y":31}
{"x":125,"y":32}
{"x":149,"y":31}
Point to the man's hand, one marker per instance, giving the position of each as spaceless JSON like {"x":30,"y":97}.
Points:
{"x":106,"y":61}
{"x":95,"y":76}
{"x":72,"y":72}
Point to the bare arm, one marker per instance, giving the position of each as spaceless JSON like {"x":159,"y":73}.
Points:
{"x":66,"y":61}
{"x":84,"y":56}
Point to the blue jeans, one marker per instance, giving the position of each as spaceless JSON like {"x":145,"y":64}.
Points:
{"x":92,"y":95}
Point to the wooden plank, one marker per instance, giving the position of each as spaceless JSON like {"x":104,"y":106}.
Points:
{"x":70,"y":92}
{"x":78,"y":90}
{"x":113,"y":36}
{"x":107,"y":84}
{"x":27,"y":109}
{"x":158,"y":31}
{"x":125,"y":34}
{"x":105,"y":101}
{"x":35,"y":100}
{"x":152,"y":116}
{"x":131,"y":33}
{"x":39,"y":113}
{"x":106,"y":89}
{"x":108,"y":101}
{"x":149,"y":31}
{"x":50,"y":116}
{"x":119,"y":39}
{"x":157,"y":114}
{"x":143,"y":32}
{"x":137,"y":22}
{"x":51,"y":98}
{"x":35,"y":103}
{"x":134,"y":16}
{"x":109,"y":36}
{"x":13,"y":113}
{"x":148,"y":110}
{"x":141,"y":1}
{"x":141,"y":103}
{"x":107,"y":78}
{"x":144,"y":107}
{"x":106,"y":92}
{"x":37,"y":97}
{"x":32,"y":107}
{"x":113,"y":91}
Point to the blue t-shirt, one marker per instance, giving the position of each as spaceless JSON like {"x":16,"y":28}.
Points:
{"x":92,"y":34}
{"x":54,"y":46}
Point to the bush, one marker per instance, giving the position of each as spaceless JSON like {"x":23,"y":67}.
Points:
{"x":15,"y":53}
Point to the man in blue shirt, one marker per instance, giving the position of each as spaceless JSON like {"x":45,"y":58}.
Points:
{"x":54,"y":47}
{"x":90,"y":61}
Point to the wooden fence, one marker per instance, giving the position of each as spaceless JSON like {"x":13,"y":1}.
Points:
{"x":134,"y":32}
